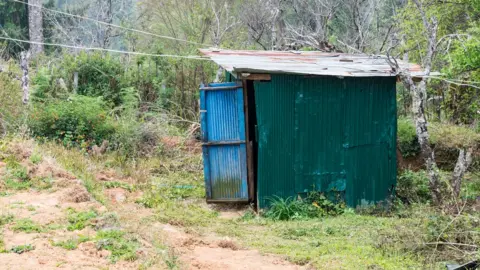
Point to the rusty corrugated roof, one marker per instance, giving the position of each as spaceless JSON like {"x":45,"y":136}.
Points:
{"x":306,"y":62}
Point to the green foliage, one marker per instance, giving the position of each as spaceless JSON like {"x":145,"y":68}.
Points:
{"x":116,"y":184}
{"x":407,"y":137}
{"x":99,"y":75}
{"x":47,"y":85}
{"x":27,"y":225}
{"x":172,"y":187}
{"x":11,"y":109}
{"x":315,"y":205}
{"x":14,"y":24}
{"x":36,"y":158}
{"x":5,"y":219}
{"x":78,"y":121}
{"x":72,"y":243}
{"x":17,"y":177}
{"x":79,"y":220}
{"x":412,"y":187}
{"x":449,"y":136}
{"x":22,"y":249}
{"x":122,"y":246}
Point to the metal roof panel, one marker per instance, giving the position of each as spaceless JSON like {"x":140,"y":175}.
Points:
{"x":307,"y":62}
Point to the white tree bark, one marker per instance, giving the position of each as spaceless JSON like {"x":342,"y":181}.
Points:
{"x":109,"y":19}
{"x":419,"y":94}
{"x":35,"y":26}
{"x":463,"y":162}
{"x":24,"y":66}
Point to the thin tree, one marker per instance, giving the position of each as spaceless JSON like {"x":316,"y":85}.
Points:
{"x":35,"y":26}
{"x":419,"y":98}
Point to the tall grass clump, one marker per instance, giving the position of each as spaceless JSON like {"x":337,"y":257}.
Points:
{"x":314,"y":205}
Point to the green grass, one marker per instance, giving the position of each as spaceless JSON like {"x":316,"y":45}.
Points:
{"x":116,"y":184}
{"x":74,"y":161}
{"x":5,"y":219}
{"x":42,"y":183}
{"x":72,"y":243}
{"x":343,"y":242}
{"x":2,"y":245}
{"x":27,"y":225}
{"x":121,"y":245}
{"x":36,"y":158}
{"x":17,"y":177}
{"x":17,"y":185}
{"x":173,"y":187}
{"x":79,"y":220}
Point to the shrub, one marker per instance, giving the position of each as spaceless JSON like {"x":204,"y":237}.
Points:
{"x":412,"y":187}
{"x":407,"y":138}
{"x":453,"y":136}
{"x":99,"y":75}
{"x":78,"y":121}
{"x":11,"y":107}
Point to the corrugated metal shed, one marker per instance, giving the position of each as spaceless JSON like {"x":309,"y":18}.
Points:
{"x":326,"y":134}
{"x":323,"y":122}
{"x":306,"y":62}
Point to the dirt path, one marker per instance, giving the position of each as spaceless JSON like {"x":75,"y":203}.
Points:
{"x":191,"y":250}
{"x":37,"y":228}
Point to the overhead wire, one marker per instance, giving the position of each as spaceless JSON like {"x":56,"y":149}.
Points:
{"x":112,"y":25}
{"x":194,"y":57}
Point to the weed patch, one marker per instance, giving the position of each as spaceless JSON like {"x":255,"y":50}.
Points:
{"x":118,"y":243}
{"x":27,"y":225}
{"x":17,"y":177}
{"x":71,"y":243}
{"x":22,"y":249}
{"x":5,"y":219}
{"x":315,"y":205}
{"x":36,"y":158}
{"x":116,"y":184}
{"x":79,"y":220}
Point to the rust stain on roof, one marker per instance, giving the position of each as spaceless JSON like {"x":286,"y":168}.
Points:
{"x":308,"y":62}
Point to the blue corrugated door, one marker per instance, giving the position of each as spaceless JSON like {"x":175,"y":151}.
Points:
{"x":224,"y":150}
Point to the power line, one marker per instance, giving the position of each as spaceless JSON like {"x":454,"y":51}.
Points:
{"x":112,"y":25}
{"x":194,"y":57}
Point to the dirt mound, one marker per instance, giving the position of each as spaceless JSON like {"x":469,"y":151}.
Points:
{"x":117,"y":195}
{"x":50,"y":168}
{"x":76,"y":194}
{"x":227,"y":243}
{"x":108,"y":175}
{"x":21,"y":149}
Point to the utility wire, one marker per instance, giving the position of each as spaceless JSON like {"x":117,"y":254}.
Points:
{"x":194,"y":57}
{"x":112,"y":25}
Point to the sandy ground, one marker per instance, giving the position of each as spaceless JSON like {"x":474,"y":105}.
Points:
{"x":48,"y":207}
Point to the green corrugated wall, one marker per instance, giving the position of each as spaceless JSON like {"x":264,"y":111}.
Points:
{"x":328,"y":134}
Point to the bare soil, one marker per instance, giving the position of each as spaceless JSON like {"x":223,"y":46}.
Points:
{"x":48,"y":208}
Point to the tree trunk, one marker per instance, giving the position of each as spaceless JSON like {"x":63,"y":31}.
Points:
{"x":109,"y":19}
{"x":218,"y":75}
{"x":75,"y":82}
{"x":35,"y":26}
{"x":24,"y":66}
{"x":463,"y":162}
{"x":427,"y":153}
